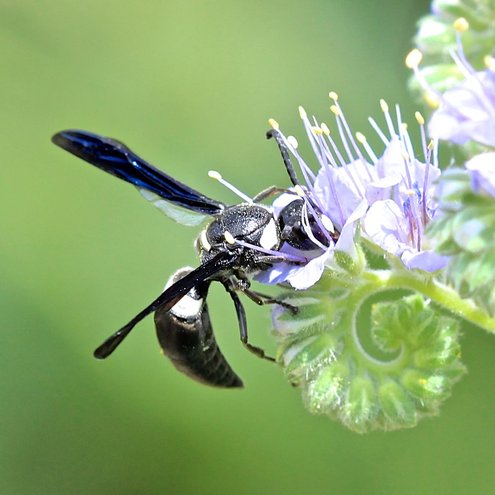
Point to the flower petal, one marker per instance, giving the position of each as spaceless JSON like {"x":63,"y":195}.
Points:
{"x":482,"y":171}
{"x":428,"y":261}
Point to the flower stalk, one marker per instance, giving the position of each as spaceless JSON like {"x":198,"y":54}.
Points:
{"x":439,"y":293}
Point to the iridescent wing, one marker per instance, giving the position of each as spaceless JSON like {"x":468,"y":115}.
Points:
{"x":117,"y":159}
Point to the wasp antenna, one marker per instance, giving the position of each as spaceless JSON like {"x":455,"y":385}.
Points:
{"x":213,"y":174}
{"x":284,"y":151}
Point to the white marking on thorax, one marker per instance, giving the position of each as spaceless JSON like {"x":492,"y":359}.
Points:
{"x":269,"y":239}
{"x":203,"y":241}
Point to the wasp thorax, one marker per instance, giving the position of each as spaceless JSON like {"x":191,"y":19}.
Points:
{"x":252,"y":224}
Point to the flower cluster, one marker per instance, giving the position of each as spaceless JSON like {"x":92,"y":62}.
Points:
{"x":466,"y":111}
{"x":390,"y":195}
{"x":367,"y":347}
{"x":436,"y":40}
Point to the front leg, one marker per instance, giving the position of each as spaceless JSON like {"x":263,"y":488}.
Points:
{"x":262,"y":299}
{"x":241,"y":318}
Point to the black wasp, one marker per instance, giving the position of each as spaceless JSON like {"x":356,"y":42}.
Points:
{"x":238,"y":242}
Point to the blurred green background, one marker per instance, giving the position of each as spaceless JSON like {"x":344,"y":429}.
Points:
{"x":189,"y":85}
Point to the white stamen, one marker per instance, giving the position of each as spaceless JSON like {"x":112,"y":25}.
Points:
{"x":307,"y":227}
{"x":217,"y":176}
{"x":388,"y":119}
{"x":351,"y":139}
{"x":327,"y":223}
{"x":377,"y":129}
{"x":421,"y":121}
{"x":308,"y":206}
{"x":278,"y":254}
{"x":367,"y":148}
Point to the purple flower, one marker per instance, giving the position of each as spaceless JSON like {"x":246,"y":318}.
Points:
{"x":466,"y":112}
{"x":389,"y":196}
{"x":481,"y":168}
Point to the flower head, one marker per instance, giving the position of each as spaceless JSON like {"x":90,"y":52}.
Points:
{"x":481,"y":169}
{"x":466,"y":111}
{"x":389,"y":195}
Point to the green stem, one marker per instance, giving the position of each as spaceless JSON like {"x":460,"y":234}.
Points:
{"x":439,"y":293}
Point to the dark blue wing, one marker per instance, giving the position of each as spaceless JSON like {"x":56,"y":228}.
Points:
{"x":117,"y":159}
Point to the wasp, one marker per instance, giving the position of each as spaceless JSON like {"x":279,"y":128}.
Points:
{"x":237,"y":242}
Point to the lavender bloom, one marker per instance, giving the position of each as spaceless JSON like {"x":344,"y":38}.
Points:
{"x":481,"y":168}
{"x":391,"y":196}
{"x":466,"y":112}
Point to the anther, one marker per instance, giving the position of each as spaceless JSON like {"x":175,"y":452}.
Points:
{"x":384,"y":106}
{"x":325,"y":129}
{"x":302,"y":113}
{"x":432,"y":100}
{"x":413,"y":59}
{"x":273,"y":124}
{"x":461,"y":25}
{"x":361,"y":137}
{"x":213,"y":174}
{"x":333,"y":96}
{"x":217,"y":176}
{"x":419,"y":118}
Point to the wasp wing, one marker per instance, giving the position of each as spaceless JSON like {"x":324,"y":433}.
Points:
{"x":171,"y":296}
{"x":117,"y":159}
{"x":180,"y":215}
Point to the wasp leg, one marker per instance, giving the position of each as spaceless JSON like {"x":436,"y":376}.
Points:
{"x":241,"y":318}
{"x":262,"y":299}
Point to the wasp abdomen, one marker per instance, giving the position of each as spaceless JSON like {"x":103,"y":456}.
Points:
{"x":185,"y":334}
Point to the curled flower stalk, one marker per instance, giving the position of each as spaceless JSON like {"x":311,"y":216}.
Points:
{"x":371,"y":364}
{"x":322,"y":352}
